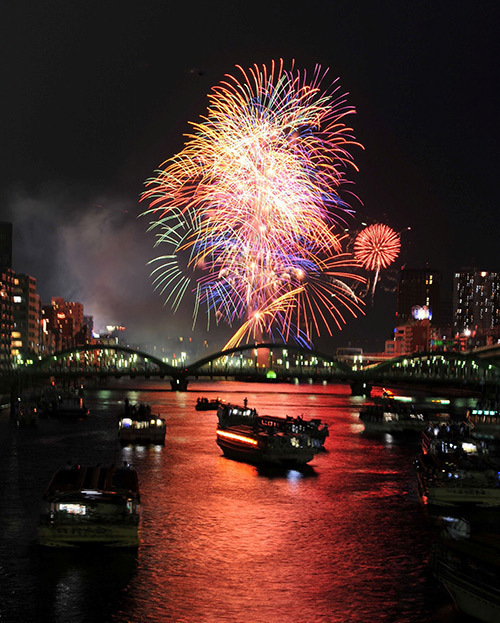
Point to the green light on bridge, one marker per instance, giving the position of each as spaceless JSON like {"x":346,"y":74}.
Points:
{"x":271,"y":374}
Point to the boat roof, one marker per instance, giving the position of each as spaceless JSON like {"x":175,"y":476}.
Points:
{"x":80,"y":478}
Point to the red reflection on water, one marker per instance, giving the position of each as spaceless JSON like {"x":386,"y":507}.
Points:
{"x":225,"y":541}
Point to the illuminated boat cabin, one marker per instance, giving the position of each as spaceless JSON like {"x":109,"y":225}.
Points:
{"x":91,"y":505}
{"x":139,"y":426}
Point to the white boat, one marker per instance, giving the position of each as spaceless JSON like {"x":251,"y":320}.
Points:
{"x":392,"y":419}
{"x":140,"y":426}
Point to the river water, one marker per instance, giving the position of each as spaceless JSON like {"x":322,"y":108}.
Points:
{"x":346,"y":540}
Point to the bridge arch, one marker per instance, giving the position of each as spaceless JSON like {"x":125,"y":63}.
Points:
{"x":438,"y":366}
{"x":103,"y":358}
{"x":310,"y":358}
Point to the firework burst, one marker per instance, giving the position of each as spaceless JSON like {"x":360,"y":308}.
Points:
{"x":250,"y":209}
{"x":376,"y":247}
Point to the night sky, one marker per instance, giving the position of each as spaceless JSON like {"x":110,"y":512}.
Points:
{"x":97,"y":94}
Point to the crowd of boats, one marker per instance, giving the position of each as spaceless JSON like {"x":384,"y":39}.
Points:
{"x":90,"y":504}
{"x":94,"y":504}
{"x":457,"y":469}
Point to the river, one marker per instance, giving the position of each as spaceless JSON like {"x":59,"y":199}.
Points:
{"x":346,"y":540}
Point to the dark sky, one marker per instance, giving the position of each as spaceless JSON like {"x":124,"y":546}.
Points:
{"x":97,"y":94}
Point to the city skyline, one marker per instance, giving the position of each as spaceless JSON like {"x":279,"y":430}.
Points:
{"x":95,"y":103}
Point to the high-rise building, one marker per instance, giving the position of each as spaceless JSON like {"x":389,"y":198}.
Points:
{"x":6,"y":317}
{"x":71,"y":310}
{"x":418,"y":288}
{"x":62,"y":321}
{"x":410,"y":338}
{"x":5,"y":246}
{"x":476,"y":302}
{"x":26,"y":315}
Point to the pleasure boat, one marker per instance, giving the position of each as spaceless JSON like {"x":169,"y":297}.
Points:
{"x":455,"y":469}
{"x":91,"y":505}
{"x":139,"y":425}
{"x":485,"y":423}
{"x":244,"y":435}
{"x":203,"y":404}
{"x":231,"y":415}
{"x":392,"y":418}
{"x":64,"y":404}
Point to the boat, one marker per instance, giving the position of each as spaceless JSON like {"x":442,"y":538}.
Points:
{"x":26,"y":415}
{"x":139,"y":425}
{"x":91,"y":505}
{"x":203,"y":404}
{"x":454,"y":469}
{"x":231,"y":415}
{"x":485,"y":423}
{"x":64,"y":404}
{"x":244,"y":435}
{"x":392,"y":418}
{"x":468,"y":565}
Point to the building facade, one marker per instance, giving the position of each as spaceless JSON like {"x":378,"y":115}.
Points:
{"x":26,"y":316}
{"x":418,"y":287}
{"x":5,"y":246}
{"x":409,"y":339}
{"x":6,"y":318}
{"x":476,"y":304}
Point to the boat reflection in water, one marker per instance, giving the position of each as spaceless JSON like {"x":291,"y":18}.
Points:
{"x":72,"y":581}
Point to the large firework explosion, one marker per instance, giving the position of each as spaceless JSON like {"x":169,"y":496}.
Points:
{"x":376,"y":247}
{"x":249,"y":211}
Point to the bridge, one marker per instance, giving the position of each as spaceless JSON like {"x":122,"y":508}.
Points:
{"x":474,"y":372}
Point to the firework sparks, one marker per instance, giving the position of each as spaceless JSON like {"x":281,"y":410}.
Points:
{"x":376,"y":247}
{"x":250,"y":208}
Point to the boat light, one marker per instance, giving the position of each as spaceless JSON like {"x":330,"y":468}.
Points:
{"x":242,"y":438}
{"x":469,"y":447}
{"x":73,"y":509}
{"x":126,"y":422}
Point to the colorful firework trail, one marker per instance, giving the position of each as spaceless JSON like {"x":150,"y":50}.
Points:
{"x":376,"y":247}
{"x":250,"y":210}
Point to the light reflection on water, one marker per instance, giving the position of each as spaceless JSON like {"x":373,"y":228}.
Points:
{"x":344,"y":540}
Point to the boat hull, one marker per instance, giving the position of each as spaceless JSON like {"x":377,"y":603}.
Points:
{"x":91,"y":505}
{"x":450,"y":495}
{"x":239,"y":443}
{"x":56,"y":534}
{"x":470,"y":596}
{"x":393,"y":427}
{"x":149,"y":430}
